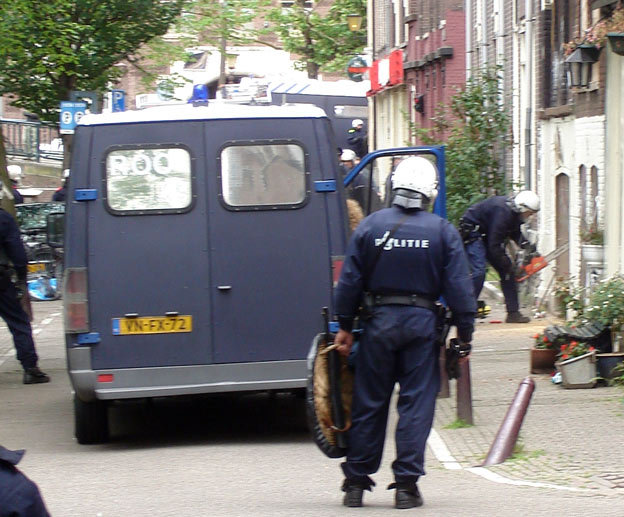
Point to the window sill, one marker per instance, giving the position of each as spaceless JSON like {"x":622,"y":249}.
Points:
{"x":556,"y":112}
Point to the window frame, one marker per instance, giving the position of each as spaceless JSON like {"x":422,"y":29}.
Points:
{"x":154,"y":211}
{"x":275,"y":206}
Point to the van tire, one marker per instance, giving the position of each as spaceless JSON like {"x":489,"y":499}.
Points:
{"x":90,"y":421}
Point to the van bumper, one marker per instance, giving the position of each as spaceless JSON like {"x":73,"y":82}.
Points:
{"x":167,"y":381}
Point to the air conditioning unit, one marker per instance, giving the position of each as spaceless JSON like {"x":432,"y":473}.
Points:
{"x":547,"y":4}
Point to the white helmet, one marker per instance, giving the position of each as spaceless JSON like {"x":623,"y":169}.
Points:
{"x":526,"y":201}
{"x":357,"y":122}
{"x":347,"y":155}
{"x":416,"y":174}
{"x":15,"y":173}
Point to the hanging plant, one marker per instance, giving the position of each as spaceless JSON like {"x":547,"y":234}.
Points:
{"x":596,"y":35}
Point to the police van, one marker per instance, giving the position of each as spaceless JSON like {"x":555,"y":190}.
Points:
{"x":200,"y":244}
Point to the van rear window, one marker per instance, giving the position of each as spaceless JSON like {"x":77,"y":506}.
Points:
{"x":148,"y":179}
{"x":263,"y":175}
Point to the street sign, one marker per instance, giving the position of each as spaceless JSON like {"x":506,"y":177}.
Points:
{"x":71,"y":113}
{"x":118,"y":100}
{"x":356,"y":68}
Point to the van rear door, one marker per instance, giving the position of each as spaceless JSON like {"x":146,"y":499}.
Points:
{"x":147,"y":251}
{"x":270,"y":255}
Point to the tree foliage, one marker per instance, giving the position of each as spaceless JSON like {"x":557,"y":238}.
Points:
{"x":204,"y":23}
{"x":474,"y":127}
{"x":49,"y":48}
{"x":322,"y":42}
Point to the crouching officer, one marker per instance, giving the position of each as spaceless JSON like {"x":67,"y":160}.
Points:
{"x":401,"y":259}
{"x":485,"y":227}
{"x":12,"y":252}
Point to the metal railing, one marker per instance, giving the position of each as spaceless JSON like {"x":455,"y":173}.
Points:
{"x":31,"y":140}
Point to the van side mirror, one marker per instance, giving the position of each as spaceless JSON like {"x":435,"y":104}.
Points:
{"x":55,"y":229}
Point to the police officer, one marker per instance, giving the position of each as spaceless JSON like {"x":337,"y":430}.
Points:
{"x":12,"y":252}
{"x":400,"y":259}
{"x":485,"y":227}
{"x":15,"y":175}
{"x":358,"y":138}
{"x":19,"y":496}
{"x":59,"y":194}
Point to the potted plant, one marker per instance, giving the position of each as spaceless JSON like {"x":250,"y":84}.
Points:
{"x":543,"y":354}
{"x":592,"y":241}
{"x":577,"y":364}
{"x":599,"y":33}
{"x":606,"y":306}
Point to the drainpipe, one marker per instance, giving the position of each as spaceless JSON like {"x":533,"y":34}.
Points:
{"x":373,"y":57}
{"x":469,"y":28}
{"x":529,"y":84}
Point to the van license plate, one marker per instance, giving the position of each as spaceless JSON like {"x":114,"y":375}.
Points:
{"x":152,"y":325}
{"x":36,"y":267}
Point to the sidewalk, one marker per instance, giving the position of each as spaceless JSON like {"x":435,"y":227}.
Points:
{"x":570,"y":437}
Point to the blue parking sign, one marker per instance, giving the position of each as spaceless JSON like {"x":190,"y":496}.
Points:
{"x":118,"y":98}
{"x":71,"y":113}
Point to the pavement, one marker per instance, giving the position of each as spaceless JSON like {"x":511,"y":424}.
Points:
{"x":569,"y":459}
{"x":570,"y":439}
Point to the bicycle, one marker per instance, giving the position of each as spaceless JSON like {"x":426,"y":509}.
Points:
{"x":45,"y":268}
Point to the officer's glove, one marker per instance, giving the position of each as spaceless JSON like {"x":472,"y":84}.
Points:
{"x":455,"y":351}
{"x":531,"y":249}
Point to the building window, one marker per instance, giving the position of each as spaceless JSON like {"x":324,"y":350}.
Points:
{"x":594,"y":198}
{"x":307,"y":4}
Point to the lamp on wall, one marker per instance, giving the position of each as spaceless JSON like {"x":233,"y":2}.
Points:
{"x":354,"y":21}
{"x":579,"y":65}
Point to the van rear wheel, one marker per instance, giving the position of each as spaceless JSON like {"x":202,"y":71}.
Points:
{"x":90,"y":421}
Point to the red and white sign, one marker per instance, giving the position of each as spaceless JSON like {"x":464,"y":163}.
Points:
{"x":386,"y":72}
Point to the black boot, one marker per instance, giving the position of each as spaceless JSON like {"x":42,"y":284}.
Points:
{"x":354,"y":490}
{"x":483,"y":310}
{"x":407,"y":495}
{"x":517,"y":317}
{"x":35,"y":376}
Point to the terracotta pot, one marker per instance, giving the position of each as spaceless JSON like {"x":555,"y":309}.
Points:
{"x":543,"y":360}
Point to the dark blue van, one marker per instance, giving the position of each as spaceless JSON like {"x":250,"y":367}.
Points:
{"x":200,"y":244}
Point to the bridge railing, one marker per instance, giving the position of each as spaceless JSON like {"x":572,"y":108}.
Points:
{"x":31,"y":140}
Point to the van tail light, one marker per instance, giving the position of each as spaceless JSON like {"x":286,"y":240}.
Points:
{"x":337,"y":262}
{"x":75,"y":300}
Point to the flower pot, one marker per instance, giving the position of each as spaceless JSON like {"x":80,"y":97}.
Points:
{"x":617,"y":340}
{"x":606,"y":363}
{"x":617,"y":42}
{"x":542,"y":360}
{"x":592,"y":253}
{"x":578,"y":372}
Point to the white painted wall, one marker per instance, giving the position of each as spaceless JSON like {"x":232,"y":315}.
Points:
{"x":565,"y":145}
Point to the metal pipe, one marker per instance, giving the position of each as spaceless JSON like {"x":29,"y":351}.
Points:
{"x":445,"y":391}
{"x":505,"y":440}
{"x":464,"y":393}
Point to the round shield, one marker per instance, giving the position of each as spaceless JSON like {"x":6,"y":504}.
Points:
{"x":329,"y":412}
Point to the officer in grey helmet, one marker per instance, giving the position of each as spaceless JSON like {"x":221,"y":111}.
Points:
{"x":399,"y":262}
{"x":13,"y":257}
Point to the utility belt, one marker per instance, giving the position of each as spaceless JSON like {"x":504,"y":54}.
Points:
{"x":414,"y":300}
{"x":469,"y":231}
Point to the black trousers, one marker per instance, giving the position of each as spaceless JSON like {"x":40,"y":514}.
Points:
{"x":17,"y":320}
